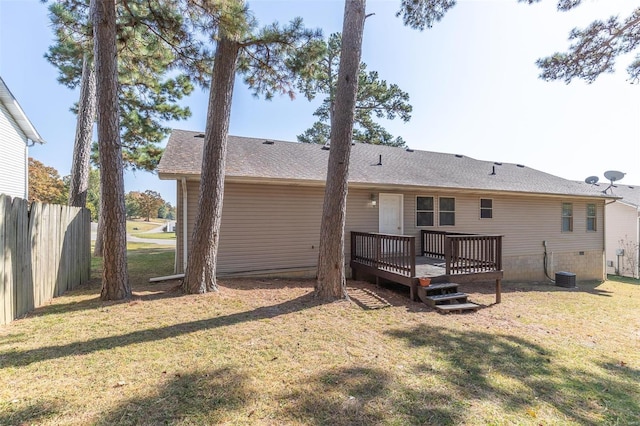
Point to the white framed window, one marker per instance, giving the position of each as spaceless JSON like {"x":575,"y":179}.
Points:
{"x":567,"y":217}
{"x":486,"y":208}
{"x":591,"y":217}
{"x":425,"y":211}
{"x":447,"y":211}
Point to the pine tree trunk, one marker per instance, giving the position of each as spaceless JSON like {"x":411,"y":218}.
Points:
{"x":84,"y":133}
{"x":79,"y":184}
{"x":115,"y":279}
{"x":200,"y":276}
{"x":331,"y":282}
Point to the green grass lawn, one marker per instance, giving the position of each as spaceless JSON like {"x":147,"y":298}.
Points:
{"x":266,"y":352}
{"x":138,"y":226}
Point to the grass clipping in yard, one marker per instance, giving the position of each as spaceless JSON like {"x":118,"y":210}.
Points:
{"x":265,"y":352}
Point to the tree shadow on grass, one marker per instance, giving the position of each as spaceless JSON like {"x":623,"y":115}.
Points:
{"x":208,"y":397}
{"x":149,"y":292}
{"x":29,"y":414}
{"x":519,"y":374}
{"x":620,"y":389}
{"x":363,"y":396}
{"x":21,"y":358}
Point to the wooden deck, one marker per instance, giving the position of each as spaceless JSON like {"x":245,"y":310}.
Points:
{"x":444,"y":257}
{"x":430,"y":267}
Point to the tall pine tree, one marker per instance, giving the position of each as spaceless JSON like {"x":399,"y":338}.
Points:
{"x":115,"y":277}
{"x":594,"y":49}
{"x":331,"y":281}
{"x":270,"y":60}
{"x":375,"y":97}
{"x":150,"y":38}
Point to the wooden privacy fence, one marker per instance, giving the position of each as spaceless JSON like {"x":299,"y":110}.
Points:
{"x":45,"y":250}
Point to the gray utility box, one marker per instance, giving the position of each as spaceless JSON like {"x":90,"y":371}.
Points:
{"x":566,"y":279}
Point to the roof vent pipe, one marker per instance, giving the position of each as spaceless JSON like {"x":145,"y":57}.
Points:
{"x":380,"y":160}
{"x":493,"y":172}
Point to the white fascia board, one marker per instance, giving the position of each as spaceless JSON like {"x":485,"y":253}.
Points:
{"x":12,"y":105}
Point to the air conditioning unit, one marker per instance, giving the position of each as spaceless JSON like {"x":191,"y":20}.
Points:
{"x":566,"y":279}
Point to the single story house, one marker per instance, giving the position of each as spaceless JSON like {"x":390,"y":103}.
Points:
{"x":274,"y":195}
{"x":16,"y":135}
{"x":622,"y":230}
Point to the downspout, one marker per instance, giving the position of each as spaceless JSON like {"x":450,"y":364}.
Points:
{"x":604,"y":238}
{"x":26,"y":170}
{"x":184,"y":239}
{"x":184,"y":225}
{"x":28,"y":144}
{"x":637,"y":253}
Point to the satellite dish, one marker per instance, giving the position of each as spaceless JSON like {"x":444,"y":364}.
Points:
{"x":592,"y":180}
{"x":613,"y":175}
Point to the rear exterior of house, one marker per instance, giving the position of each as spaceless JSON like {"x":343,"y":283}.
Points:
{"x":274,"y":193}
{"x":623,"y":232}
{"x":16,"y":131}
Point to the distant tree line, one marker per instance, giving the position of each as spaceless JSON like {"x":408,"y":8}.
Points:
{"x":148,"y":205}
{"x":46,"y":186}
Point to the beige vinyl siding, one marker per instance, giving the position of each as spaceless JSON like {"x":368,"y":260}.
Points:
{"x":522,"y":220}
{"x":269,"y":228}
{"x":622,"y":233}
{"x":274,"y":228}
{"x":13,"y":156}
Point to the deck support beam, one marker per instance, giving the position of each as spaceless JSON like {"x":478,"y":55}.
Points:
{"x":498,"y":291}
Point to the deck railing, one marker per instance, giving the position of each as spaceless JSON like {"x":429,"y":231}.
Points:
{"x":392,"y":253}
{"x":432,"y":243}
{"x":463,"y":253}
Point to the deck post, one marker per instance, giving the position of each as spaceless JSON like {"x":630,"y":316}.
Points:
{"x":413,"y":290}
{"x":498,"y":291}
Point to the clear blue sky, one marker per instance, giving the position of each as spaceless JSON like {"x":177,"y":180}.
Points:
{"x":472,"y":81}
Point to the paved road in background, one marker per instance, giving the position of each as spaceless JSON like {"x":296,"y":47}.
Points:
{"x":133,"y":239}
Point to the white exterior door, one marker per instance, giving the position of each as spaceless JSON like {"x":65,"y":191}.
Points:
{"x":390,"y":214}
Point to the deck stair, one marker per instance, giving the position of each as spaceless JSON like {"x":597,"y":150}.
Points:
{"x":446,"y":298}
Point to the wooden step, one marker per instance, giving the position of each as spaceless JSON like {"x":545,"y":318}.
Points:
{"x":446,"y":299}
{"x":442,"y":286}
{"x":458,"y":307}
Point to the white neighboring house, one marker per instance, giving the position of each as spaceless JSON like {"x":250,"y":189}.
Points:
{"x":17,"y":134}
{"x":622,"y":231}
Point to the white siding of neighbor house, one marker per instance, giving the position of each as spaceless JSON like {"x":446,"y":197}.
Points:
{"x":13,"y":156}
{"x":272,"y":229}
{"x":623,"y":232}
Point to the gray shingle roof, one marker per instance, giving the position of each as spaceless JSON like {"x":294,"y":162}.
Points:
{"x":253,"y":158}
{"x":630,"y":193}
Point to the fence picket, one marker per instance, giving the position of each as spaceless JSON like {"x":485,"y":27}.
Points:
{"x":9,"y":273}
{"x":4,"y":222}
{"x":22,"y":259}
